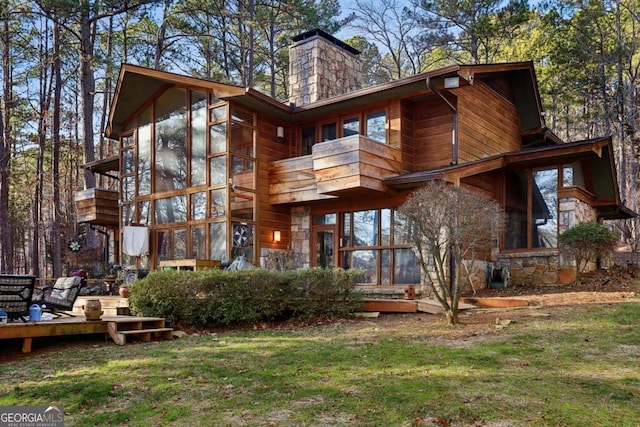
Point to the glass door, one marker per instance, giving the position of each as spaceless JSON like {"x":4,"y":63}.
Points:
{"x":324,"y":247}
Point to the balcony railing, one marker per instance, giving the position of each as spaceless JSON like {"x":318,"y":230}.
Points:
{"x":353,"y":163}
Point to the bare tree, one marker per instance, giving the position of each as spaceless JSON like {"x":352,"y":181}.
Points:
{"x":451,"y":225}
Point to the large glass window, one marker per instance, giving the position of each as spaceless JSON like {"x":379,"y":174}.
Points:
{"x":171,"y":140}
{"x":544,"y":221}
{"x":328,"y":132}
{"x":376,"y":241}
{"x":531,"y":208}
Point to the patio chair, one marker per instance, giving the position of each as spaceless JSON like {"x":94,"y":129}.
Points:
{"x":15,"y":295}
{"x":59,"y":298}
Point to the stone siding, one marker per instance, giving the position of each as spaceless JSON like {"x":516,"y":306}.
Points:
{"x":300,"y":236}
{"x":320,"y":69}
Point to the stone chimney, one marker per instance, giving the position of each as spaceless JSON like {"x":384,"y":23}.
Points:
{"x":320,"y":67}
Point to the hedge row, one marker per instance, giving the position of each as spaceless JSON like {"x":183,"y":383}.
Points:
{"x":213,"y":297}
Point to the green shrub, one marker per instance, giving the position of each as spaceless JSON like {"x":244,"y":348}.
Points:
{"x":214,"y":297}
{"x":586,"y":242}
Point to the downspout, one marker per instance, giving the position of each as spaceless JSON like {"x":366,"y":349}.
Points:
{"x":454,"y":130}
{"x":454,"y":161}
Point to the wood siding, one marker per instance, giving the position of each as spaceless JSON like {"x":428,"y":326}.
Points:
{"x":432,"y":134}
{"x":488,"y":124}
{"x":346,"y":164}
{"x":97,"y":206}
{"x":270,"y":217}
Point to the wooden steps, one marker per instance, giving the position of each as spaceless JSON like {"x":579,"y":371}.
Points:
{"x":143,"y":329}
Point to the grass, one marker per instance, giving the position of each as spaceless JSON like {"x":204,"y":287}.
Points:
{"x":574,"y":366}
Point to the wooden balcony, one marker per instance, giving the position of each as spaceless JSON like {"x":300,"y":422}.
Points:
{"x":354,"y":163}
{"x":97,"y":206}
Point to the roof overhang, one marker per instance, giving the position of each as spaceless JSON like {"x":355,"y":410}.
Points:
{"x":597,"y":154}
{"x":136,"y":85}
{"x":104,"y":166}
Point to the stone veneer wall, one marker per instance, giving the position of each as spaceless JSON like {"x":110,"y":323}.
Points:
{"x":548,"y":267}
{"x":300,"y":235}
{"x":320,"y":69}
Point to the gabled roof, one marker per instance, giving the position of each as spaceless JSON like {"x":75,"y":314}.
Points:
{"x":136,"y":85}
{"x":596,"y":153}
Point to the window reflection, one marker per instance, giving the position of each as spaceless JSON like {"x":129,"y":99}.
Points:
{"x":198,"y":243}
{"x":144,"y":152}
{"x":351,"y":127}
{"x":218,"y":238}
{"x":171,"y":209}
{"x":198,"y":206}
{"x":198,"y":138}
{"x":171,"y":130}
{"x":377,"y":126}
{"x":544,"y":208}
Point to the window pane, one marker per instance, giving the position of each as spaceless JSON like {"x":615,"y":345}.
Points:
{"x":180,"y":244}
{"x":219,"y":170}
{"x":128,"y":188}
{"x":128,"y":166}
{"x":346,"y":230}
{"x":385,"y":227}
{"x":242,"y":241}
{"x":198,"y":206}
{"x":402,"y":230}
{"x":544,"y":231}
{"x":171,"y":210}
{"x":127,"y":141}
{"x":324,"y":219}
{"x":385,"y":267}
{"x":162,"y":243}
{"x":171,"y":131}
{"x":128,"y":213}
{"x":218,"y":202}
{"x":351,"y":127}
{"x":376,"y":126}
{"x":218,"y":238}
{"x":365,"y":228}
{"x":143,"y":207}
{"x":308,"y":139}
{"x":329,"y":132}
{"x":567,"y":175}
{"x":198,"y":138}
{"x":241,"y":115}
{"x":242,"y":172}
{"x":241,"y":141}
{"x":198,"y":243}
{"x":516,"y":210}
{"x":219,"y":113}
{"x":367,"y":261}
{"x":144,"y":152}
{"x":218,"y":136}
{"x":241,"y":204}
{"x":406,"y":270}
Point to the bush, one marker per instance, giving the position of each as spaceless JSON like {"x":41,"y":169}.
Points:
{"x":586,"y":242}
{"x":213,"y":297}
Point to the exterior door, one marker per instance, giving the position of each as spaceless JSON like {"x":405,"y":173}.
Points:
{"x":324,"y":254}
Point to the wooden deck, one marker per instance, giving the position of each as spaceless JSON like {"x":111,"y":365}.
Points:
{"x":117,"y":327}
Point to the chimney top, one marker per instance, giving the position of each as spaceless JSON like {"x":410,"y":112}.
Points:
{"x":317,"y":32}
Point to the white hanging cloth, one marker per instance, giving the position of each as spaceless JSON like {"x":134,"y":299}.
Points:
{"x":135,"y":240}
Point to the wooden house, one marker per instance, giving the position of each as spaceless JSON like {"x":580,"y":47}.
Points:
{"x":214,"y":171}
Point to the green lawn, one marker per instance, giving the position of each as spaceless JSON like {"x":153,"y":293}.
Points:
{"x":562,"y":366}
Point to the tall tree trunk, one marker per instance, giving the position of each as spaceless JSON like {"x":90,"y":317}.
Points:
{"x":6,"y":246}
{"x":56,"y":244}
